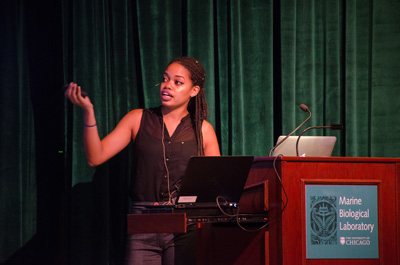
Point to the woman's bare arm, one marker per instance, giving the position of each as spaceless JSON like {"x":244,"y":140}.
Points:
{"x":210,"y":142}
{"x":98,"y":151}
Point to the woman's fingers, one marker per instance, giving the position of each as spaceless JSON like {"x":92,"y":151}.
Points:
{"x":77,"y":96}
{"x":71,"y":93}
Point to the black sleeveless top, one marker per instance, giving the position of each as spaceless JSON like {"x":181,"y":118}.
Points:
{"x":149,"y":180}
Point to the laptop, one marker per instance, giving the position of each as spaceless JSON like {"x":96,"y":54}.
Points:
{"x":210,"y":177}
{"x":308,"y":146}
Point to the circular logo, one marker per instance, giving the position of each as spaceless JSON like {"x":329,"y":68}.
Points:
{"x":323,"y":221}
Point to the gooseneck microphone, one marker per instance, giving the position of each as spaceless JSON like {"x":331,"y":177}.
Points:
{"x":332,"y":127}
{"x":303,"y":108}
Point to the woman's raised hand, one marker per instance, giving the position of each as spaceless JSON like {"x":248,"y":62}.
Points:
{"x":77,"y":96}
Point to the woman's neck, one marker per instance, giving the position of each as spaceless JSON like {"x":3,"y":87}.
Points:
{"x":176,"y":114}
{"x":172,"y":118}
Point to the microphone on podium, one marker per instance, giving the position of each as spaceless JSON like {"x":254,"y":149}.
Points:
{"x":332,"y":127}
{"x":303,"y":108}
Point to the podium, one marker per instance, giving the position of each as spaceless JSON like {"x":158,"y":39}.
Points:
{"x":284,"y":241}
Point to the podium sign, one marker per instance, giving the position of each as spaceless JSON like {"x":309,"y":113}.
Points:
{"x":342,"y":222}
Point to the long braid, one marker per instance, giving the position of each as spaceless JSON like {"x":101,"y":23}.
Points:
{"x":197,"y":107}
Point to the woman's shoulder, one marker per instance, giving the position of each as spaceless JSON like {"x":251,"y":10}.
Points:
{"x":132,"y":118}
{"x":211,"y":146}
{"x":207,"y":126}
{"x":207,"y":129}
{"x":145,"y":111}
{"x":135,"y":114}
{"x":131,"y":121}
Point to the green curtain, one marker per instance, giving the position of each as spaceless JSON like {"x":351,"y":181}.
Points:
{"x":312,"y":64}
{"x":31,"y":132}
{"x":341,"y":58}
{"x":17,"y":145}
{"x":262,"y":59}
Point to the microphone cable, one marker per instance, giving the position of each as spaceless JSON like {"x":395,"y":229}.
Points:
{"x":169,"y":202}
{"x":285,"y":203}
{"x":281,"y":183}
{"x":303,"y":108}
{"x":237,"y":216}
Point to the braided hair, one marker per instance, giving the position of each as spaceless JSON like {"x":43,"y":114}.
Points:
{"x":197,"y":107}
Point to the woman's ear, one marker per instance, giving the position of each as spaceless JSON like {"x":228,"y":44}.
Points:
{"x":195,"y":91}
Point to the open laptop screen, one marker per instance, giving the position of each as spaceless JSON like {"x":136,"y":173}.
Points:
{"x":207,"y":177}
{"x":308,"y":146}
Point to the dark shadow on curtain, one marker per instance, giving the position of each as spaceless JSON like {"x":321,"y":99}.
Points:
{"x":98,"y":214}
{"x":40,"y":25}
{"x":28,"y":254}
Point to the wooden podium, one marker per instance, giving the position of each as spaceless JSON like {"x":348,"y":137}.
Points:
{"x":383,"y":172}
{"x":284,"y":242}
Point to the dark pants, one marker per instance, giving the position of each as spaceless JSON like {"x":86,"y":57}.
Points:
{"x":162,"y":249}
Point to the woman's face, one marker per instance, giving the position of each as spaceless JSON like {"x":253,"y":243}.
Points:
{"x":177,"y":87}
